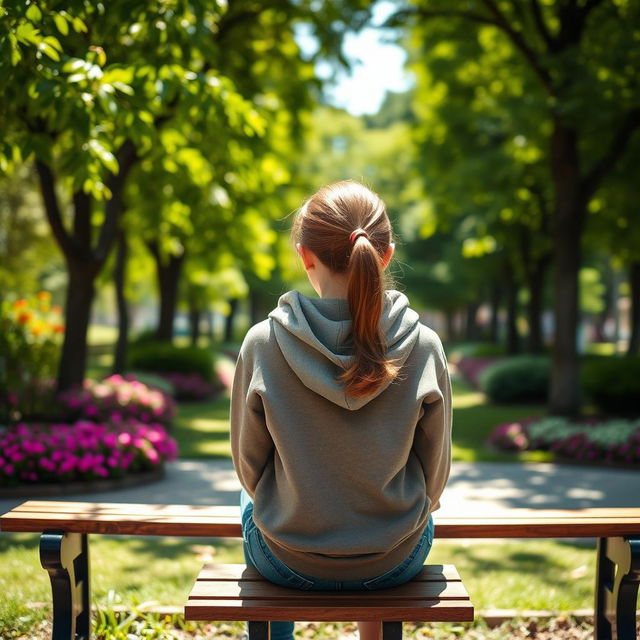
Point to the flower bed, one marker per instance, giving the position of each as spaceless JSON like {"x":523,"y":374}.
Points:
{"x":472,"y":367}
{"x":587,"y":441}
{"x":118,"y":399}
{"x":191,"y":386}
{"x":82,"y":451}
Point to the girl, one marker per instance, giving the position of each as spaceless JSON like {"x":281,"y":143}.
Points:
{"x":341,"y":415}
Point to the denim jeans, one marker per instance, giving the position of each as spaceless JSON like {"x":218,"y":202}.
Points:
{"x":258,"y":555}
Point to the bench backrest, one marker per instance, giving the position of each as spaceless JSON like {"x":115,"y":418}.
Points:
{"x":224,"y":522}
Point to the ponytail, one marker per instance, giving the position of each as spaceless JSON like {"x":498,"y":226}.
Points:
{"x":347,"y":227}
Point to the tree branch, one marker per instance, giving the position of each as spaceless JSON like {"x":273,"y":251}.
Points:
{"x":518,"y":40}
{"x":126,"y":155}
{"x":447,"y":13}
{"x":52,"y":208}
{"x":619,"y":141}
{"x":542,"y":25}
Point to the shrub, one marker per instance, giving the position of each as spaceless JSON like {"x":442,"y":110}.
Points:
{"x":161,"y":357}
{"x":30,"y":336}
{"x":84,"y":450}
{"x":589,"y":440}
{"x":117,"y":399}
{"x":614,"y":384}
{"x":517,"y":379}
{"x":191,"y":386}
{"x":472,"y":368}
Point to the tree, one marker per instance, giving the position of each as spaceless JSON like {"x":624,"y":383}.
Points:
{"x":583,"y":57}
{"x":87,"y":93}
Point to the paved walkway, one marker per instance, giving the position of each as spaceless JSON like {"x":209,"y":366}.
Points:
{"x":473,"y":488}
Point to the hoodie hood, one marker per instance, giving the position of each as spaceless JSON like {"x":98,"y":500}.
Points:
{"x":314,"y":335}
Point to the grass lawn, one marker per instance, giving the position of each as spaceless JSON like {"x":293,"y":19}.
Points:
{"x":537,"y":574}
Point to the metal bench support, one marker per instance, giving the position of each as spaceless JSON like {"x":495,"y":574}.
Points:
{"x":617,"y":581}
{"x":65,"y":556}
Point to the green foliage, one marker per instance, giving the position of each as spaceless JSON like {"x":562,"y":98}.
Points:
{"x":160,"y":357}
{"x":613,"y":384}
{"x":517,"y":379}
{"x":30,"y":332}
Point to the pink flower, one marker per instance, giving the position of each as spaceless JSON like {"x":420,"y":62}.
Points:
{"x":125,"y":438}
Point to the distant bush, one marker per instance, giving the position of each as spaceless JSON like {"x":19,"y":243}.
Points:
{"x":192,"y":386}
{"x":31,"y":333}
{"x":589,"y":440}
{"x":613,"y":384}
{"x":161,"y":357}
{"x":517,"y":379}
{"x":117,"y":399}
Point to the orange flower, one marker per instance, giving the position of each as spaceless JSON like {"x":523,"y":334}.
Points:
{"x":56,"y":309}
{"x":37,"y":329}
{"x":44,"y":296}
{"x":24,"y":317}
{"x":20,"y":304}
{"x":58,"y":328}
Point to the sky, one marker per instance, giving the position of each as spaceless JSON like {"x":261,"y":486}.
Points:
{"x":377,"y":67}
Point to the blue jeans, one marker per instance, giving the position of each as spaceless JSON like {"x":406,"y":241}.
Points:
{"x":258,"y":555}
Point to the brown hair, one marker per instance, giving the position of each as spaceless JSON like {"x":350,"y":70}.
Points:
{"x":326,"y":224}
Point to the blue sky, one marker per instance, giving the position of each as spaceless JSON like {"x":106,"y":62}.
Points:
{"x":377,"y":67}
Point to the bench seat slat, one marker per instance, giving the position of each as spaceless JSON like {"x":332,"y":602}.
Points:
{"x":430,"y":572}
{"x":253,"y":590}
{"x":321,"y":610}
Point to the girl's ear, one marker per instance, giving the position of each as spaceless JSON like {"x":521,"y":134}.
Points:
{"x":388,"y":254}
{"x":305,"y":254}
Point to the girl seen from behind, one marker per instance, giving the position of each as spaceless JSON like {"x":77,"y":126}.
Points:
{"x":341,"y":415}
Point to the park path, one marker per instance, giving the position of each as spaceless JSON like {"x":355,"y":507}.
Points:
{"x":474,"y":488}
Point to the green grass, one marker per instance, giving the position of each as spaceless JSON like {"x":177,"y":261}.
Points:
{"x":474,"y":419}
{"x":202,"y":429}
{"x":536,"y":574}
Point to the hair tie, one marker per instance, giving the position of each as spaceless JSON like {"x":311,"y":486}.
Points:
{"x":356,"y":234}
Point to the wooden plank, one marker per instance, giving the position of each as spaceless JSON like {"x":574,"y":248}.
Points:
{"x":256,"y":590}
{"x":429,"y":572}
{"x":133,"y":509}
{"x":218,"y":527}
{"x":321,"y":610}
{"x":186,"y":520}
{"x":116,"y":525}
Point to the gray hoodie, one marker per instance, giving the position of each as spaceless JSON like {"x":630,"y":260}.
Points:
{"x":342,"y":486}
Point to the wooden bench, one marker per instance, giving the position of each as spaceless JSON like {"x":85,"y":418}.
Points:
{"x":235,"y":592}
{"x":65,"y":527}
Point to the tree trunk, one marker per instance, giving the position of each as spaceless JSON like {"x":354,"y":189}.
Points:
{"x":634,"y":281}
{"x":229,"y":321}
{"x":496,"y":295}
{"x":80,"y":291}
{"x":512,"y":339}
{"x":471,"y":325}
{"x":535,"y":283}
{"x":449,"y":315}
{"x":120,"y":356}
{"x":195,"y":317}
{"x":168,"y":271}
{"x":564,"y":393}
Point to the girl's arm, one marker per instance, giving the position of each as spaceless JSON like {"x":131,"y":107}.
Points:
{"x":433,"y":437}
{"x":251,"y":443}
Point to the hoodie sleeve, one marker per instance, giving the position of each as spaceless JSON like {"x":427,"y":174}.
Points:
{"x":433,"y":437}
{"x":251,"y":443}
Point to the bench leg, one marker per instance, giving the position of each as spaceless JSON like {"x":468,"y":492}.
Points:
{"x":617,"y":581}
{"x":65,"y":556}
{"x":392,"y":631}
{"x":259,"y":631}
